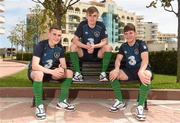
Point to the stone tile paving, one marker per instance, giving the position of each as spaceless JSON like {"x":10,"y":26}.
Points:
{"x":18,"y":110}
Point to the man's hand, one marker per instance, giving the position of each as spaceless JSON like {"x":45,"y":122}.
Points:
{"x":91,"y":48}
{"x":113,"y":74}
{"x":88,"y":46}
{"x":58,"y":72}
{"x":145,"y":79}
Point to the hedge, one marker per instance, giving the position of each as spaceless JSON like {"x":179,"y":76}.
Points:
{"x":163,"y":62}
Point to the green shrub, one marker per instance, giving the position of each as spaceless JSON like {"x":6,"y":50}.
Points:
{"x":164,"y":62}
{"x":24,"y":56}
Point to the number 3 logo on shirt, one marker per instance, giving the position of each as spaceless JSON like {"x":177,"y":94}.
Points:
{"x":49,"y":63}
{"x":132,"y":60}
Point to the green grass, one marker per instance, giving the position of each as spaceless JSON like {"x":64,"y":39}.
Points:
{"x":20,"y":80}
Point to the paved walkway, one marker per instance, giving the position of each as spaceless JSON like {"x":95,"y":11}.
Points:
{"x":8,"y":68}
{"x":18,"y":110}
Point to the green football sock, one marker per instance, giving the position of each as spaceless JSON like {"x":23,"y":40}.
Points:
{"x":106,"y":61}
{"x":117,"y":89}
{"x":38,"y":90}
{"x":143,"y":93}
{"x":75,"y":61}
{"x":65,"y":89}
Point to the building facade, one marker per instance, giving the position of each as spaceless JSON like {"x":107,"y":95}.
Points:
{"x":166,"y":37}
{"x":151,"y":31}
{"x":2,"y":18}
{"x":114,"y":18}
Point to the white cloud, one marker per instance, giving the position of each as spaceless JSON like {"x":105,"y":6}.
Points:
{"x":15,"y":4}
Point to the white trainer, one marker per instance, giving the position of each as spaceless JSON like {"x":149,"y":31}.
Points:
{"x":78,"y":77}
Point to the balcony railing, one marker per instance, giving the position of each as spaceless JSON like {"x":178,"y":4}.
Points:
{"x":2,"y":9}
{"x":2,"y":19}
{"x":2,"y":30}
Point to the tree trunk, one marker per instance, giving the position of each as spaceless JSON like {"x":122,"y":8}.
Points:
{"x":11,"y":51}
{"x":59,"y":19}
{"x":178,"y":48}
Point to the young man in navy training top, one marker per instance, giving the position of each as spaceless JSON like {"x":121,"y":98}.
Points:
{"x":48,"y":63}
{"x":135,"y":53}
{"x":90,"y":42}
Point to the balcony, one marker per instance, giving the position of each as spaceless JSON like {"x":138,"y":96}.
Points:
{"x":2,"y":19}
{"x":2,"y":9}
{"x":2,"y":30}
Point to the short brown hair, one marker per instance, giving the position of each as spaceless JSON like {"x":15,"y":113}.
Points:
{"x":91,"y":10}
{"x":129,"y":27}
{"x":54,"y":27}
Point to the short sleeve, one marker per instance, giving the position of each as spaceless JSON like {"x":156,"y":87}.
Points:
{"x":104,"y":33}
{"x":143,"y":47}
{"x":121,"y":51}
{"x":62,"y":54}
{"x":38,"y":50}
{"x":79,"y":30}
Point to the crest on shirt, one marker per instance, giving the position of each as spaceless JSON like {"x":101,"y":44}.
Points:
{"x":136,"y":51}
{"x":97,"y":34}
{"x":56,"y":55}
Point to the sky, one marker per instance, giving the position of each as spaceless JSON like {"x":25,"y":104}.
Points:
{"x":16,"y":11}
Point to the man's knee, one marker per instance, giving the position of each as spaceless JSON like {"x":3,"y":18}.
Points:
{"x":148,"y":74}
{"x":69,"y":73}
{"x":107,"y":48}
{"x":122,"y":76}
{"x":37,"y":75}
{"x":73,"y":47}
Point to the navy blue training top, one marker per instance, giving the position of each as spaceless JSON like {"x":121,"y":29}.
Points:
{"x":132,"y":54}
{"x":91,"y":35}
{"x":49,"y":57}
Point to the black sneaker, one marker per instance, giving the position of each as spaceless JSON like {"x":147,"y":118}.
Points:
{"x":118,"y":105}
{"x":40,"y":112}
{"x":65,"y":105}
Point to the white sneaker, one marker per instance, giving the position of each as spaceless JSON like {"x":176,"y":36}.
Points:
{"x":102,"y":77}
{"x":140,"y":113}
{"x":40,"y":112}
{"x":78,"y":77}
{"x":65,"y":105}
{"x":118,"y":105}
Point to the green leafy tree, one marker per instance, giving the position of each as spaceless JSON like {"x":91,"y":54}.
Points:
{"x":28,"y":45}
{"x":36,"y":25}
{"x":56,"y":9}
{"x":13,"y":40}
{"x":20,"y":31}
{"x":168,"y":6}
